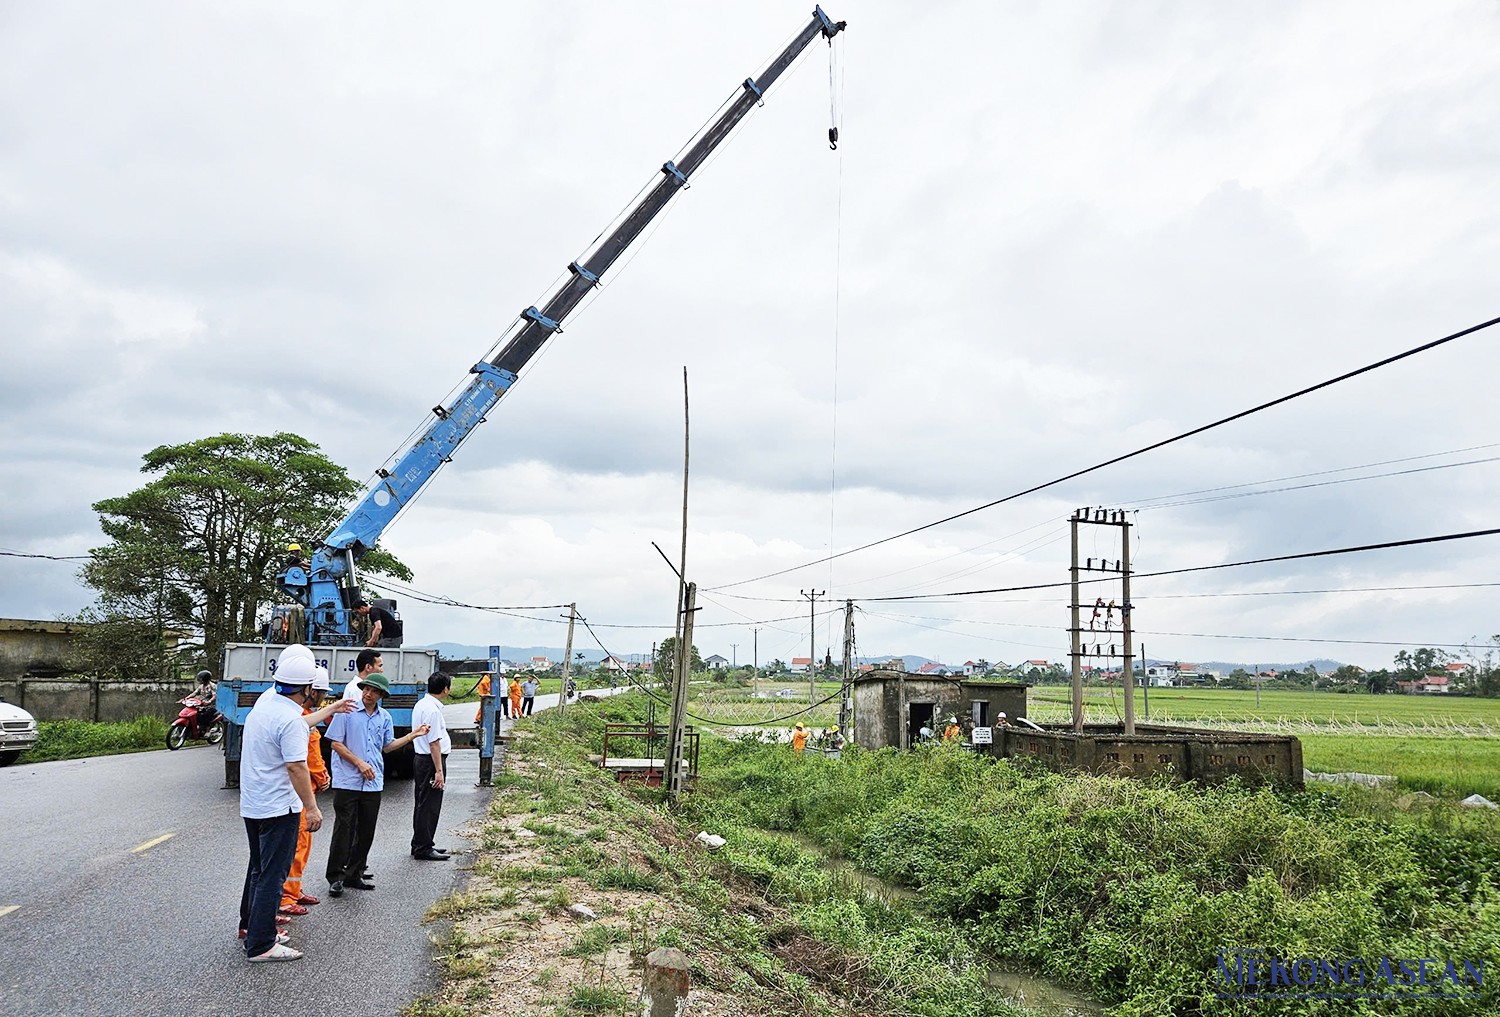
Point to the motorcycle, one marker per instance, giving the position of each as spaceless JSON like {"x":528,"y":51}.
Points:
{"x":197,"y":720}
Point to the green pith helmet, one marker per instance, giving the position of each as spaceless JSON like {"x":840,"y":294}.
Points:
{"x":375,"y":680}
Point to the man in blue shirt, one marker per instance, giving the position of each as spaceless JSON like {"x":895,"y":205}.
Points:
{"x":360,"y":741}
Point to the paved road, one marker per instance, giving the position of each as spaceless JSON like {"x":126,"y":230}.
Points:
{"x":103,"y":925}
{"x":120,"y":887}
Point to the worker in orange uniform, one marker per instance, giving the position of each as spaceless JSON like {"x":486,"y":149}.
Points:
{"x":799,"y":739}
{"x":483,"y":689}
{"x":515,"y":696}
{"x":952,"y":732}
{"x":293,"y":900}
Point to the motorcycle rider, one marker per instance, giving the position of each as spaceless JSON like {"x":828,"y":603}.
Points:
{"x":206,"y":693}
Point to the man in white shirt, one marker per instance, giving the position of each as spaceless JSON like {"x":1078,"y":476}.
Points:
{"x":429,"y":768}
{"x":275,"y":790}
{"x":367,"y":663}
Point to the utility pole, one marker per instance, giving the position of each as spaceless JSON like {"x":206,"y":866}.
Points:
{"x":1121,"y":568}
{"x":673,"y":776}
{"x":562,"y":692}
{"x":1076,"y":653}
{"x":1125,"y":624}
{"x":734,"y":656}
{"x":755,"y":674}
{"x":844,"y":700}
{"x":812,"y":641}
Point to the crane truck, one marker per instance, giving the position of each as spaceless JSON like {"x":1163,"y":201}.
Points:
{"x":325,"y":591}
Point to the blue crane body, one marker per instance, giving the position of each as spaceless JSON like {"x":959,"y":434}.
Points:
{"x":327,"y":587}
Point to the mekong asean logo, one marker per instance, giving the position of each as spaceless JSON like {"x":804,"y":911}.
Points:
{"x":1254,"y":974}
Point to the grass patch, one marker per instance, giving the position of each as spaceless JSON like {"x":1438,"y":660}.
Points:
{"x":597,"y":999}
{"x":1448,"y":767}
{"x":458,"y":905}
{"x":595,"y":940}
{"x":76,"y":739}
{"x":625,"y":877}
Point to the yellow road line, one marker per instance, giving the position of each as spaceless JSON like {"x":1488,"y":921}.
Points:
{"x":151,"y":843}
{"x":7,"y":909}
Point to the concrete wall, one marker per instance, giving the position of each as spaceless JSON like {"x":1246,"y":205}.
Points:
{"x":1180,"y":753}
{"x":93,"y":699}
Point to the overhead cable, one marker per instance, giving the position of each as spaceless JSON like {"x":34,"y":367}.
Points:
{"x":1129,"y":455}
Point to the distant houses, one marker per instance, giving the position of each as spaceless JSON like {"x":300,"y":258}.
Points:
{"x":1427,"y":685}
{"x":716,"y":662}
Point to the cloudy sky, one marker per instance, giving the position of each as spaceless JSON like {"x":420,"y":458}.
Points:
{"x":1052,"y":234}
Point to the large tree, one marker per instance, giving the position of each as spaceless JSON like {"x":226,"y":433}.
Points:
{"x":196,"y":550}
{"x":666,"y":660}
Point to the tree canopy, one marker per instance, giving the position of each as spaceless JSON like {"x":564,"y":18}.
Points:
{"x":197,"y":548}
{"x":666,"y":660}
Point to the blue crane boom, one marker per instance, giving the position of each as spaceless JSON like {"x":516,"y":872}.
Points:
{"x":326,"y":588}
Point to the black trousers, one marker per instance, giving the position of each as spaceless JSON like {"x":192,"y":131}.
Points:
{"x":429,"y":802}
{"x":527,"y":702}
{"x":354,"y":817}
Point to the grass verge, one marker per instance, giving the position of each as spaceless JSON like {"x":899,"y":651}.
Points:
{"x":75,"y":739}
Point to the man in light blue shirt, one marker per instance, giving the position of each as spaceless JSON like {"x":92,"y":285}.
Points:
{"x":360,"y":741}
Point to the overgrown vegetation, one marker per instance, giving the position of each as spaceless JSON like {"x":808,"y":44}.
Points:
{"x":1128,"y":889}
{"x":74,"y":739}
{"x":804,"y":942}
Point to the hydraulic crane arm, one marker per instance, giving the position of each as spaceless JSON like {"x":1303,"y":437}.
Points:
{"x":326,"y":586}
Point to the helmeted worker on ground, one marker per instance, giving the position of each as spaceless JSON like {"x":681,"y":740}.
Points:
{"x":293,"y":900}
{"x":1001,"y":720}
{"x":515,"y":696}
{"x":483,"y":689}
{"x":952,"y":732}
{"x":799,"y":739}
{"x":275,"y":790}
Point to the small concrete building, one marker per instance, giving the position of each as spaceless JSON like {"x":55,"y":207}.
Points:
{"x":30,"y":648}
{"x":890,"y":706}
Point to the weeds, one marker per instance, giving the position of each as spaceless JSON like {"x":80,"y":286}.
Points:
{"x":592,"y":999}
{"x":596,"y":939}
{"x":76,"y":739}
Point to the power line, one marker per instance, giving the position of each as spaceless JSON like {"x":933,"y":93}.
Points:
{"x":1321,"y":483}
{"x":1324,"y":473}
{"x":1131,"y":455}
{"x":48,"y":557}
{"x":1205,"y":568}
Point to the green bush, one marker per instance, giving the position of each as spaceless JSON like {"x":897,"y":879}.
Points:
{"x":74,"y":739}
{"x":1129,"y":889}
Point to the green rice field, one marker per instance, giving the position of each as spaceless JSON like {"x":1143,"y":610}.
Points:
{"x":1047,"y":703}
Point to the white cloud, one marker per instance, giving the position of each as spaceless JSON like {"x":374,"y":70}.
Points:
{"x":1051,"y":235}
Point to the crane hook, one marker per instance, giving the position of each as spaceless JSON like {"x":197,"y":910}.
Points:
{"x":833,"y":139}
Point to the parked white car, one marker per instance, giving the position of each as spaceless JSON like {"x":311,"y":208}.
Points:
{"x":17,"y":732}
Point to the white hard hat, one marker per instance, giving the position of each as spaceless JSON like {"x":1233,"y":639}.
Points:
{"x":320,"y":679}
{"x":295,"y":666}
